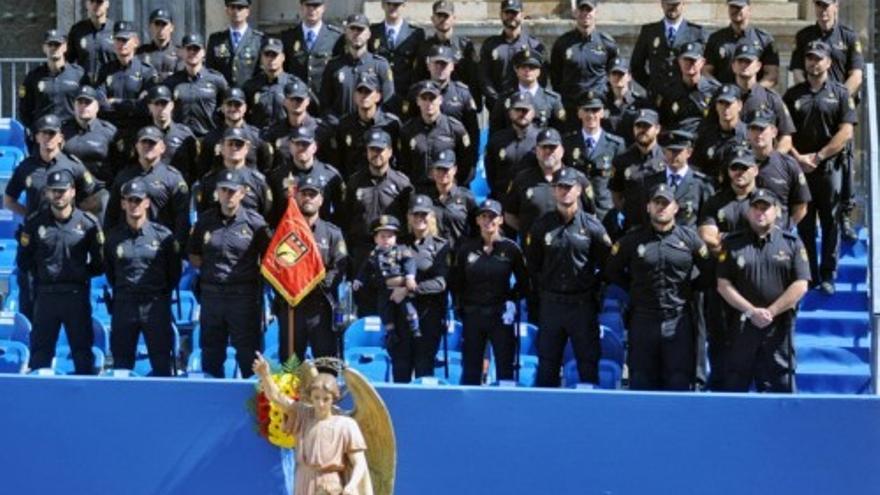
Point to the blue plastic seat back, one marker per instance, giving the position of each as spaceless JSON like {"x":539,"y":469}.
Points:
{"x":63,"y":362}
{"x":142,"y":366}
{"x":453,"y":336}
{"x":14,"y":357}
{"x":528,"y":335}
{"x":12,"y":134}
{"x":365,"y":332}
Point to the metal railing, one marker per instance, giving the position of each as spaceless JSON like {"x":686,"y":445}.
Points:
{"x":12,"y":72}
{"x":873,"y":215}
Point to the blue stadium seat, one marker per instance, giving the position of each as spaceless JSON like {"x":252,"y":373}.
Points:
{"x":365,"y":348}
{"x":14,"y":357}
{"x":184,"y":309}
{"x":15,"y":327}
{"x":63,"y":362}
{"x":528,"y":354}
{"x":9,"y":223}
{"x":270,"y":340}
{"x":610,"y":364}
{"x":12,"y":134}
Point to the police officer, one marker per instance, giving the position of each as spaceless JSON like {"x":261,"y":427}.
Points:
{"x":685,"y":100}
{"x":197,"y":90}
{"x":351,"y":148}
{"x":91,"y":39}
{"x":397,"y":41}
{"x":458,"y":101}
{"x":340,"y":76}
{"x":161,"y":52}
{"x":166,"y":187}
{"x":431,"y":255}
{"x":508,"y":147}
{"x":496,"y":53}
{"x":454,"y":205}
{"x":309,"y":45}
{"x":235,"y":51}
{"x":824,"y":114}
{"x":313,"y":325}
{"x":746,"y":66}
{"x":432,"y":131}
{"x":655,"y":264}
{"x":592,"y":150}
{"x":482,"y":290}
{"x":847,"y":68}
{"x":565,"y":250}
{"x":465,"y":55}
{"x":260,"y":153}
{"x":372,"y":192}
{"x":763,"y":272}
{"x":124,"y":81}
{"x":302,"y":146}
{"x":549,"y":110}
{"x":778,"y":173}
{"x":51,"y":87}
{"x":226,"y":245}
{"x":659,"y":43}
{"x":30,"y":177}
{"x":297,"y":99}
{"x":692,"y":188}
{"x":722,"y":43}
{"x":581,"y":58}
{"x":644,"y":157}
{"x":235,"y":146}
{"x":143,"y":267}
{"x":265,"y":91}
{"x":722,"y":130}
{"x":61,"y":247}
{"x":94,"y":141}
{"x":622,"y":103}
{"x":181,"y":145}
{"x":530,"y":194}
{"x":725,"y":212}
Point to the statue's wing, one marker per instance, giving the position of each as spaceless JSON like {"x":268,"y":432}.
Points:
{"x":375,"y":423}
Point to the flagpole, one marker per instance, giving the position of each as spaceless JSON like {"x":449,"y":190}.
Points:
{"x":290,"y":328}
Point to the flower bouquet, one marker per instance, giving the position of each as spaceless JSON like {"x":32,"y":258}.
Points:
{"x":270,"y":417}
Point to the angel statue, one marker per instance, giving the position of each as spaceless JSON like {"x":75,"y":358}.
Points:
{"x":337,"y":452}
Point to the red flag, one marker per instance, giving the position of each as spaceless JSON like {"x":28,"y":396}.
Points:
{"x":292,"y":263}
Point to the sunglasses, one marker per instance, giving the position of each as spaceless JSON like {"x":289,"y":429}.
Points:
{"x":738,"y":167}
{"x":160,"y":23}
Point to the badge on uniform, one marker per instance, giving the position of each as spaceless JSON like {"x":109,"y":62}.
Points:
{"x":740,"y":261}
{"x":802,"y":179}
{"x":502,"y":153}
{"x":340,"y":76}
{"x":710,"y":152}
{"x":640,"y":250}
{"x":466,"y":140}
{"x":359,"y":194}
{"x":24,"y":239}
{"x":804,"y":255}
{"x":576,"y":154}
{"x":221,"y":50}
{"x":675,"y":107}
{"x":412,"y":143}
{"x":721,"y":216}
{"x":656,"y":42}
{"x":615,"y":248}
{"x":100,"y":236}
{"x":703,"y":251}
{"x":548,"y":238}
{"x":41,"y":232}
{"x":495,"y":54}
{"x":721,"y":52}
{"x":83,"y":43}
{"x":568,"y":54}
{"x":376,"y":43}
{"x":529,"y":193}
{"x":110,"y":80}
{"x":296,"y":45}
{"x":472,"y":258}
{"x":206,"y":238}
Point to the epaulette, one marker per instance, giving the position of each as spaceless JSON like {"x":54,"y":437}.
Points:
{"x":790,"y":236}
{"x":607,"y":37}
{"x":333,"y":27}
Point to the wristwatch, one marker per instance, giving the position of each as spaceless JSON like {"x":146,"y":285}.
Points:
{"x":746,"y":315}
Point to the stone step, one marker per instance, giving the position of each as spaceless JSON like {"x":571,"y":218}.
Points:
{"x":706,"y":12}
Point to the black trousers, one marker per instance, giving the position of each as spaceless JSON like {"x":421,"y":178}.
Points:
{"x":150,"y":314}
{"x":66,"y":305}
{"x":312,"y":326}
{"x":230,"y":314}
{"x":661,"y":350}
{"x":482,"y":324}
{"x":825,"y":186}
{"x":415,"y":355}
{"x":763,"y":356}
{"x":563,"y":318}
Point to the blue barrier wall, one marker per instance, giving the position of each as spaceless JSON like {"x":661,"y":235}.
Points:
{"x":145,"y":436}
